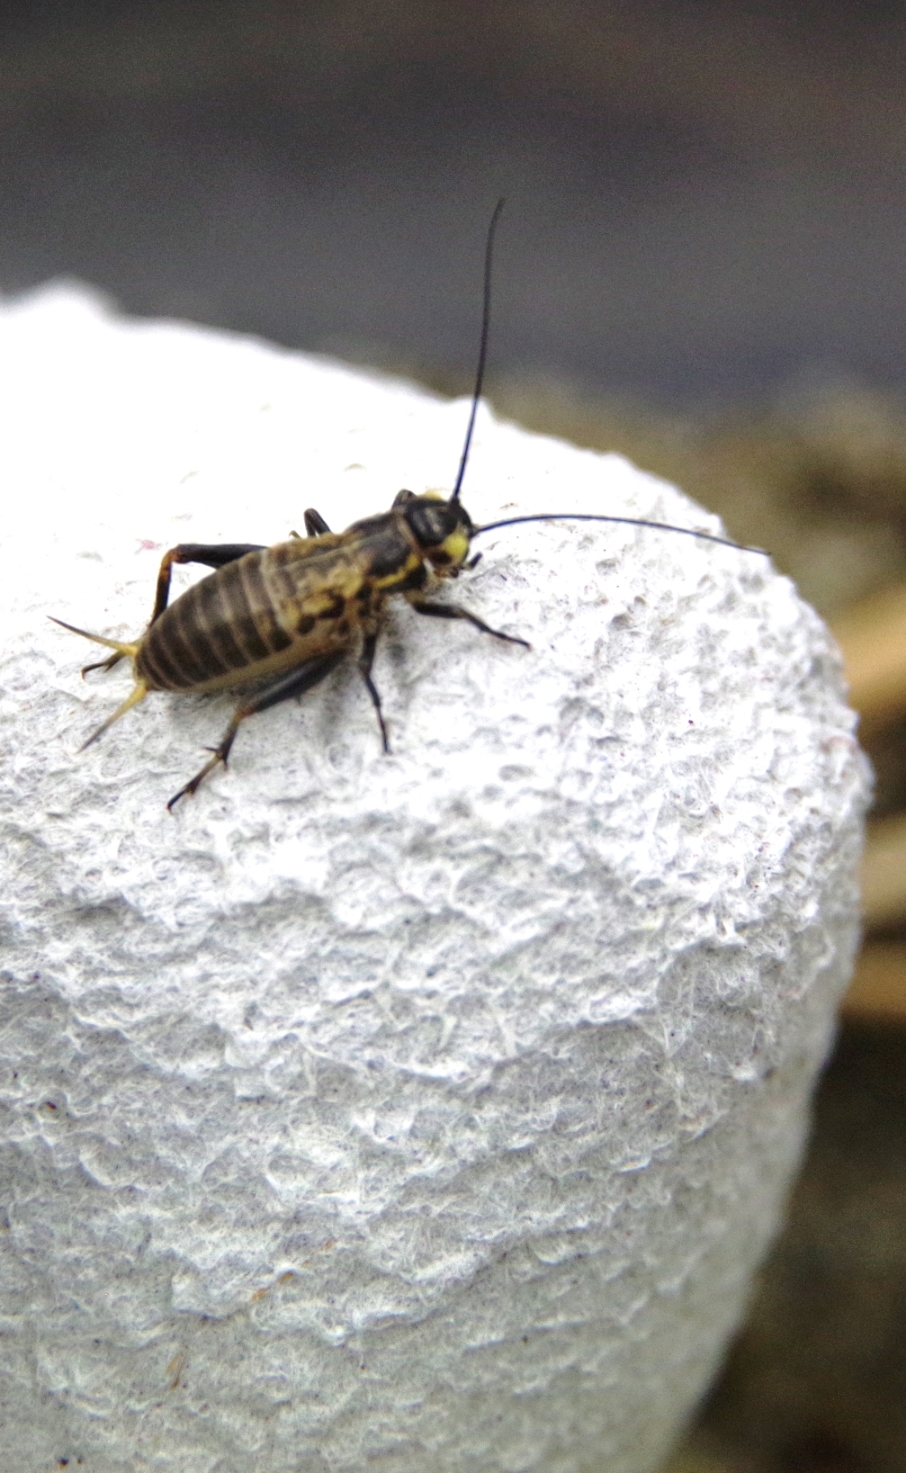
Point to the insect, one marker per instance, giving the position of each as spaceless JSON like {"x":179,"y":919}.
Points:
{"x":280,"y":618}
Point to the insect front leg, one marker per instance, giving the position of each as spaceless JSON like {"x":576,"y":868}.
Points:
{"x":296,"y":683}
{"x":365,"y":662}
{"x":454,"y":611}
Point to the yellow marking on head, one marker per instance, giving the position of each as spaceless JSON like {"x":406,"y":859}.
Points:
{"x":456,"y":546}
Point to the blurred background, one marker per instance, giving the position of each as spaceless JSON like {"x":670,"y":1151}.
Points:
{"x":702,"y":264}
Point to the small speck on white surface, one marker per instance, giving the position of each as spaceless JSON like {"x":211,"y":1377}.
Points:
{"x":421,"y":1111}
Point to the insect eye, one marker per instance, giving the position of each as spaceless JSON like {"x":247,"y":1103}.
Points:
{"x":431,"y":521}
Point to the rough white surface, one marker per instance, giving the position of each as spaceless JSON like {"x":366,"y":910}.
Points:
{"x":414,"y":1112}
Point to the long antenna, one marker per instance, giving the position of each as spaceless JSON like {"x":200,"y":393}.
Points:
{"x":483,"y":350}
{"x":585,"y":516}
{"x":548,"y":516}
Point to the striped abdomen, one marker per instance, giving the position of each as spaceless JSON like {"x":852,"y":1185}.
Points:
{"x":264,"y":613}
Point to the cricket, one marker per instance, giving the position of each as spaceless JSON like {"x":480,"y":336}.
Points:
{"x":278,"y":619}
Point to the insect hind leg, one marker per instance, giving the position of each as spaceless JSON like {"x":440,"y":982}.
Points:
{"x":107,"y":664}
{"x":208,"y":554}
{"x":296,"y":683}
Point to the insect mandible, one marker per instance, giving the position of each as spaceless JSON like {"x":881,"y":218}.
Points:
{"x":281,"y":618}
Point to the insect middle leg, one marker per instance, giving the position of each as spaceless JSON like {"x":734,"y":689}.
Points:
{"x":296,"y":683}
{"x":454,"y":611}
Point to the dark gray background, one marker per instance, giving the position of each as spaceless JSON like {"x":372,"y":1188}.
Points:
{"x":705,"y":201}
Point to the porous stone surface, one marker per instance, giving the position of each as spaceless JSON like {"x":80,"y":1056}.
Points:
{"x":416,"y":1112}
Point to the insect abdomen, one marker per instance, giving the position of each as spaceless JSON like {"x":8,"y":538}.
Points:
{"x":250,"y":619}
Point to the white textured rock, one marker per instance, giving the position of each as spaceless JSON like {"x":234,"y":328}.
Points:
{"x":423,"y":1112}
